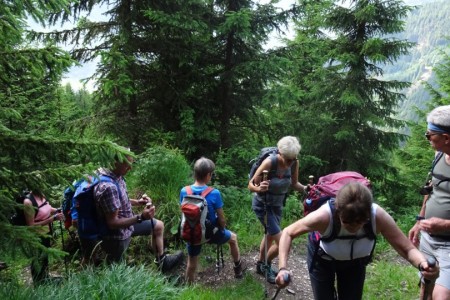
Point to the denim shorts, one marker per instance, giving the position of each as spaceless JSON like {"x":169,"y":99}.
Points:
{"x":440,"y":249}
{"x":219,"y":238}
{"x":273,"y":216}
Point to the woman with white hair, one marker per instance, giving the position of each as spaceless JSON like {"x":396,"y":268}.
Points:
{"x":269,"y":196}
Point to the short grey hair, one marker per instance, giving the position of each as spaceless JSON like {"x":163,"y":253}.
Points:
{"x":289,"y":146}
{"x":202,"y":167}
{"x":440,"y":116}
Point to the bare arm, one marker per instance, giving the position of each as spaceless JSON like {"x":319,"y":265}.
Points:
{"x":295,"y":184}
{"x":414,"y":232}
{"x":255,"y":185}
{"x":114,"y":222}
{"x":315,"y":221}
{"x":221,"y":218}
{"x":389,"y":229}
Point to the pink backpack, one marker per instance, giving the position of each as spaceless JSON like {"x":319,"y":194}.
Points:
{"x":327,"y":188}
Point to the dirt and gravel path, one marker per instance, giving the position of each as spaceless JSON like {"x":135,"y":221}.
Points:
{"x":299,"y":288}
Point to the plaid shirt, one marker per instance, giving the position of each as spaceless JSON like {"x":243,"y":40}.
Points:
{"x":108,"y":201}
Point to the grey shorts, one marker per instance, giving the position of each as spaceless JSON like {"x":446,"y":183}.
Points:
{"x":116,"y":248}
{"x":440,"y":249}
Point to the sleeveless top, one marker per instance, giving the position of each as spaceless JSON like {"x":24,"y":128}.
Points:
{"x":280,"y":181}
{"x":438,"y":204}
{"x":340,"y":249}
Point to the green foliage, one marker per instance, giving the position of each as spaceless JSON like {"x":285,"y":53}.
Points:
{"x":391,"y":280}
{"x":115,"y":282}
{"x":161,"y":172}
{"x":248,"y":288}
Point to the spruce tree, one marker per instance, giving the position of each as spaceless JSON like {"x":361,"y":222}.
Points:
{"x":353,"y":108}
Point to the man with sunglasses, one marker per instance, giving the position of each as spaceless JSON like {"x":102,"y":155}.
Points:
{"x":433,"y":221}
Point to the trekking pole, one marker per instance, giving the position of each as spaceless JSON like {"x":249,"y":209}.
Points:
{"x":427,"y":283}
{"x":219,"y":252}
{"x":266,"y":291}
{"x":62,"y":241}
{"x":286,"y":279}
{"x":149,"y":205}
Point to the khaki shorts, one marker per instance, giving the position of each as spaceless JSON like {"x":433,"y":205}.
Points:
{"x":440,"y":249}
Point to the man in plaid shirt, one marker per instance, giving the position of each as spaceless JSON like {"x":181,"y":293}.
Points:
{"x":114,"y":206}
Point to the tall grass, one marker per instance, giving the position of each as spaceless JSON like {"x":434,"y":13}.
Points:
{"x":115,"y":282}
{"x":161,"y":173}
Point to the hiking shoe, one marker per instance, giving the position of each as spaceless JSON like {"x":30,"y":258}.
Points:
{"x":238,"y":272}
{"x":168,"y":262}
{"x":260,"y":268}
{"x":271,"y":275}
{"x":271,"y":272}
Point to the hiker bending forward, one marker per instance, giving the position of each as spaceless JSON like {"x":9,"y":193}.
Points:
{"x":114,"y":208}
{"x":203,"y":172}
{"x":269,"y":197}
{"x":347,"y":258}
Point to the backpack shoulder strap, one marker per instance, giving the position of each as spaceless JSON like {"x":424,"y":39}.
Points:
{"x":106,"y":178}
{"x":273,"y":165}
{"x":207,"y":191}
{"x":336,"y":224}
{"x":30,"y":196}
{"x":188,"y":190}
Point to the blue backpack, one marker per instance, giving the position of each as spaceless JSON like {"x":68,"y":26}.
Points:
{"x":84,"y":210}
{"x":67,"y":204}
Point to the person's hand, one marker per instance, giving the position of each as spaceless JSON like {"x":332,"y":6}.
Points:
{"x":148,"y":212}
{"x":58,"y":216}
{"x":432,"y":225}
{"x":281,"y":278}
{"x":414,"y":234}
{"x":264,"y":186}
{"x":429,"y":273}
{"x":144,"y":200}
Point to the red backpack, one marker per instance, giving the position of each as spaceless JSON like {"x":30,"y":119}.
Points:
{"x":195,"y":227}
{"x":327,"y":188}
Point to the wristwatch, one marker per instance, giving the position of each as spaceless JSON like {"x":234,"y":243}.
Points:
{"x":139,"y":218}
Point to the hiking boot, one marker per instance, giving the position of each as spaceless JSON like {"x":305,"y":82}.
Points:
{"x":260,"y":268}
{"x":271,"y":272}
{"x":168,"y":262}
{"x":271,"y":275}
{"x":238,"y":272}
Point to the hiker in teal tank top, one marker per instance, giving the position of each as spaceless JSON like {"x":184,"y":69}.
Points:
{"x":432,"y":228}
{"x":269,"y":196}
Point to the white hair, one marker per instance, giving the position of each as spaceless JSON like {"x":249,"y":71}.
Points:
{"x":440,"y":116}
{"x":289,"y":146}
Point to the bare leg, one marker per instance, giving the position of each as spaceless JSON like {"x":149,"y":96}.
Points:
{"x":158,"y":238}
{"x":191,"y":268}
{"x":234,"y":248}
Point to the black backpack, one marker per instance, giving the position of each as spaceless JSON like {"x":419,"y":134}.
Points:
{"x":257,"y":161}
{"x":18,"y":218}
{"x":315,"y":237}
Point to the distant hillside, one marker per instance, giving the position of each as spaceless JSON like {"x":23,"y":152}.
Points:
{"x":429,"y":27}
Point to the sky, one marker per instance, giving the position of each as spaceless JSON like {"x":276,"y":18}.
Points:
{"x":78,"y":73}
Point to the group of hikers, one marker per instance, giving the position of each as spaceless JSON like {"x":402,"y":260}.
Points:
{"x":348,"y":217}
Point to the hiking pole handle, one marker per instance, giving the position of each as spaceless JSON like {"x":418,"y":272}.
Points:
{"x":427,"y":283}
{"x":287,"y":279}
{"x":431,"y":263}
{"x":265,"y":175}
